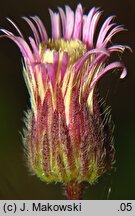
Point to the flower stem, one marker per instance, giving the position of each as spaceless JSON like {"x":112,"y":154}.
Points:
{"x":74,"y":190}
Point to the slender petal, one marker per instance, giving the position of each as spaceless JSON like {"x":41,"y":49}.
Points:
{"x":41,"y":28}
{"x":92,"y":29}
{"x":34,"y":30}
{"x":69,"y":25}
{"x":82,"y":60}
{"x":18,"y":30}
{"x":78,"y":22}
{"x":86,"y":25}
{"x":108,"y":68}
{"x":35,"y":49}
{"x":64,"y":65}
{"x":55,"y":20}
{"x":111,"y":34}
{"x":52,"y":69}
{"x":63,"y":19}
{"x":104,"y":30}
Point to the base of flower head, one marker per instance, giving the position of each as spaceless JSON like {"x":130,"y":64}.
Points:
{"x":80,"y":151}
{"x":74,"y":190}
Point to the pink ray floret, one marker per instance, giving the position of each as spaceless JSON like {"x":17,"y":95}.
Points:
{"x":69,"y":25}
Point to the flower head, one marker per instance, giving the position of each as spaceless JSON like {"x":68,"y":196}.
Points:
{"x":68,"y":137}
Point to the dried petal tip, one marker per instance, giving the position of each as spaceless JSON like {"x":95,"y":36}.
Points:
{"x":68,"y":135}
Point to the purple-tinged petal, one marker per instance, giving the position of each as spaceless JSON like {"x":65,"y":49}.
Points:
{"x":78,"y":22}
{"x":92,"y":29}
{"x":82,"y":60}
{"x":69,"y":23}
{"x":106,"y":23}
{"x":52,"y":69}
{"x":41,"y":28}
{"x":7,"y":32}
{"x":111,"y":34}
{"x":64,"y":64}
{"x":34,"y":30}
{"x":35,"y":50}
{"x":55,"y":21}
{"x":86,"y":24}
{"x":63,"y":19}
{"x":15,"y":26}
{"x":104,"y":30}
{"x":98,"y":60}
{"x":108,"y":68}
{"x":101,"y":37}
{"x":51,"y":73}
{"x":119,"y":48}
{"x":44,"y":74}
{"x":25,"y":49}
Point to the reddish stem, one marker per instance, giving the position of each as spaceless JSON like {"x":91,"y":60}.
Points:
{"x":74,"y":191}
